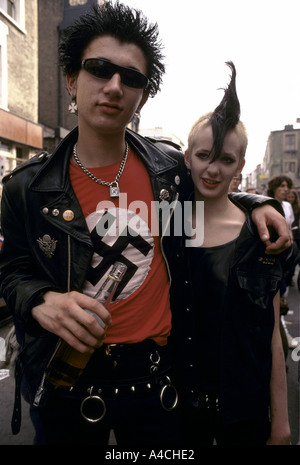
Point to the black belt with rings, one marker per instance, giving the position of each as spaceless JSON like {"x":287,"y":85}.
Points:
{"x":93,"y":407}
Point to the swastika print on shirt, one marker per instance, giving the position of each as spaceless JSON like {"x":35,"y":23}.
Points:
{"x":119,"y":235}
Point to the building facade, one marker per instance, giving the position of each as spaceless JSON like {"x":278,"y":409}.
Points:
{"x":282,"y":155}
{"x":21,"y":135}
{"x":54,"y":100}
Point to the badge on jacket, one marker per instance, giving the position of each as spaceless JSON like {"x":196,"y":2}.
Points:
{"x":47,"y":245}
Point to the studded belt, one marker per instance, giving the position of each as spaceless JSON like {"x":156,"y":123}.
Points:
{"x":93,"y":406}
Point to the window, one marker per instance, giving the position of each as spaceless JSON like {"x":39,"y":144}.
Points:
{"x":4,"y":160}
{"x":14,"y":9}
{"x":11,"y":8}
{"x":77,"y":2}
{"x":290,"y":167}
{"x":290,"y":142}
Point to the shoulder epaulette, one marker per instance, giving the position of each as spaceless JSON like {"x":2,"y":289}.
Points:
{"x":163,"y":141}
{"x":36,"y":159}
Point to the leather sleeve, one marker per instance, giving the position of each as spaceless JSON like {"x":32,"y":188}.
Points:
{"x":21,"y":285}
{"x":251,"y":201}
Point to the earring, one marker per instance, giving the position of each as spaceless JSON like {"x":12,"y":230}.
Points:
{"x":73,"y":106}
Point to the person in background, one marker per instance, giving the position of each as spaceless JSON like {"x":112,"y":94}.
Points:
{"x":225,"y":300}
{"x":292,"y":198}
{"x":251,"y":190}
{"x":235,"y":183}
{"x":278,"y":188}
{"x":59,"y":244}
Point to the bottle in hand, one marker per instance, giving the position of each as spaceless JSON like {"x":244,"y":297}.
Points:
{"x":67,"y":364}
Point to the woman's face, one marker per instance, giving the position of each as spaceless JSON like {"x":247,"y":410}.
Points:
{"x":212,"y":180}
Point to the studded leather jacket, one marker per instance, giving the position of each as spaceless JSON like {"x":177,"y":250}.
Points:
{"x":47,"y":245}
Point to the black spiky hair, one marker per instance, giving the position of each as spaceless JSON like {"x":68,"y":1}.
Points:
{"x":226,"y":115}
{"x":127,"y":24}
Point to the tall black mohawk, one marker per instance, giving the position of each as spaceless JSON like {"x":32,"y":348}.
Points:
{"x":227,"y":114}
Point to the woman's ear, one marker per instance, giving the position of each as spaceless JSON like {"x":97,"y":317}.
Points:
{"x":187,"y":159}
{"x":240,"y":167}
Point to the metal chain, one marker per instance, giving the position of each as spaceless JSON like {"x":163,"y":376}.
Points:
{"x":93,"y":177}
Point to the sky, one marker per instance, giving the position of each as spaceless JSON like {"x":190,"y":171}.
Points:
{"x":261,"y":37}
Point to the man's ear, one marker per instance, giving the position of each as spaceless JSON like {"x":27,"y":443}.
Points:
{"x":72,"y":85}
{"x":187,"y":159}
{"x":143,"y":101}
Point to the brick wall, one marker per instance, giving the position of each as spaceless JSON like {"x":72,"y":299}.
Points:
{"x":22,"y":54}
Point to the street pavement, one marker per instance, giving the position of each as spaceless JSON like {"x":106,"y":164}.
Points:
{"x":26,"y":435}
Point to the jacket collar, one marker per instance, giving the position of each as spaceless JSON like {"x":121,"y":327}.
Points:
{"x":53,"y":175}
{"x":156,"y":160}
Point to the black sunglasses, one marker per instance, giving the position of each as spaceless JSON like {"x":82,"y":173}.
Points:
{"x":105,"y":69}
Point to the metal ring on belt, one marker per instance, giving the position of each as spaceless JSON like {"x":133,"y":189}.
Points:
{"x":92,"y":398}
{"x":163,"y":393}
{"x":168,"y":397}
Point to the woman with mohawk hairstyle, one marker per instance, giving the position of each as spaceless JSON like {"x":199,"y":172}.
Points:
{"x":227,"y":114}
{"x":225,"y":300}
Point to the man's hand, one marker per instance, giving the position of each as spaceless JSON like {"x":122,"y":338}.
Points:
{"x":65,"y":316}
{"x":266,"y":216}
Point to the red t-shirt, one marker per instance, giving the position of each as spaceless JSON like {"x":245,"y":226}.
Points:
{"x":124,"y":229}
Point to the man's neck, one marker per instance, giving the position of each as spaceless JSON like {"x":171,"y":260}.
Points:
{"x":100,"y":150}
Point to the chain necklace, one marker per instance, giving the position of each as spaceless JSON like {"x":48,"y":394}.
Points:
{"x":114,"y":190}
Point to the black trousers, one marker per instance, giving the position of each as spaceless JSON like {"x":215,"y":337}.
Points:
{"x":131,"y":389}
{"x":203,"y":426}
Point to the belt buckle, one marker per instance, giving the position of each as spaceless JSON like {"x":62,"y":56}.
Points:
{"x":108,"y":349}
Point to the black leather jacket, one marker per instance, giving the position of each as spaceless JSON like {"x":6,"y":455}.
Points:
{"x":36,"y":199}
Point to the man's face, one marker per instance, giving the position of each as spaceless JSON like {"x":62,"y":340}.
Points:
{"x":108,"y":105}
{"x":281,"y":191}
{"x":236,"y":181}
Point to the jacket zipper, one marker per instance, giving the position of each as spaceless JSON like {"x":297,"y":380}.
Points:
{"x":41,"y":389}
